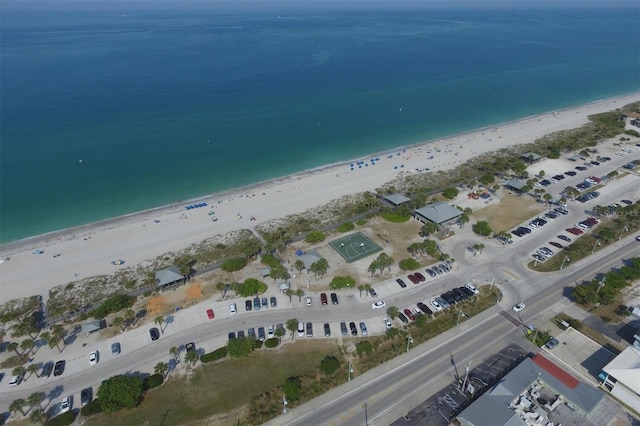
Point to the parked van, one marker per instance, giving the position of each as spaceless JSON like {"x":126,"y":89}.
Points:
{"x":233,"y":309}
{"x":300,"y":329}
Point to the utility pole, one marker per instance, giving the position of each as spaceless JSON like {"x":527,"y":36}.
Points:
{"x":566,"y":259}
{"x":455,"y":369}
{"x":284,"y":404}
{"x":366,"y":415}
{"x":164,"y":417}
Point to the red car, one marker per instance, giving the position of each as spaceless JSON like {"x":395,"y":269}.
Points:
{"x":558,"y":245}
{"x":574,"y":231}
{"x":323,"y":298}
{"x":595,"y":179}
{"x":409,"y":314}
{"x":210,"y":314}
{"x":413,"y":278}
{"x":419,"y":276}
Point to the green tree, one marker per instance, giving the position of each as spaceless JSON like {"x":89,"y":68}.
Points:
{"x":329,"y":365}
{"x":487,"y":179}
{"x":482,"y":228}
{"x":314,"y":237}
{"x":279,"y":272}
{"x":429,"y":228}
{"x":240,"y":348}
{"x":33,"y":369}
{"x":289,"y":292}
{"x":19,"y":370}
{"x":37,"y":415}
{"x":299,"y":293}
{"x":292,"y":388}
{"x":299,"y":265}
{"x":174,"y":351}
{"x":159,"y":320}
{"x":586,"y":294}
{"x":409,"y":264}
{"x":393,"y":311}
{"x":130,"y":317}
{"x":235,"y":264}
{"x":279,"y":332}
{"x":191,"y":357}
{"x":35,"y":399}
{"x":119,"y":322}
{"x":292,"y":326}
{"x":360,"y":288}
{"x":57,"y":335}
{"x":120,"y":392}
{"x":17,"y":405}
{"x":319,"y":267}
{"x":13,"y":346}
{"x":222,"y":288}
{"x":450,"y":193}
{"x":161,"y":368}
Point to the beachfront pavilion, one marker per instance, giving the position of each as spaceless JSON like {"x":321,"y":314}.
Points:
{"x":309,"y":258}
{"x":169,"y":276}
{"x":438,"y":213}
{"x":396,"y":199}
{"x":515,"y":185}
{"x":530,"y":157}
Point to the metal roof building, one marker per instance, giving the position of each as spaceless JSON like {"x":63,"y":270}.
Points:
{"x":396,"y":199}
{"x":516,"y":184}
{"x":498,"y":406}
{"x":437,"y":213}
{"x":622,"y":377}
{"x":167,"y":276}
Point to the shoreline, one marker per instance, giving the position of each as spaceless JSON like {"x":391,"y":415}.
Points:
{"x":76,"y":253}
{"x":42,"y":239}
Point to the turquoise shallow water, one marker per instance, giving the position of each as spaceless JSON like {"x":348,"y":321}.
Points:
{"x":171,"y":101}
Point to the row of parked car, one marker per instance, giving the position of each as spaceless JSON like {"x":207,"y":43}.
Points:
{"x":540,"y":221}
{"x":418,"y":277}
{"x":259,"y":303}
{"x":261,"y":335}
{"x":445,"y":300}
{"x":306,"y":329}
{"x":544,"y":253}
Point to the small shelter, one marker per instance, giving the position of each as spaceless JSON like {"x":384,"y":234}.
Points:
{"x":169,"y":276}
{"x":396,"y":199}
{"x":437,"y":213}
{"x":91,"y":326}
{"x":530,"y":157}
{"x":515,"y":185}
{"x":283,"y":286}
{"x":309,"y":258}
{"x":264,"y":272}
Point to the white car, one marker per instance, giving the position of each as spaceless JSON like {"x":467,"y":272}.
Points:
{"x":270,"y":331}
{"x":387,"y":323}
{"x":378,"y":305}
{"x":308,"y":300}
{"x":65,"y":405}
{"x":436,"y":305}
{"x":93,"y":358}
{"x":15,"y":380}
{"x":472,"y":288}
{"x":518,"y":307}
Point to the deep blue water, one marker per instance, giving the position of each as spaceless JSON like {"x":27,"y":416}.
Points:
{"x":166,"y":101}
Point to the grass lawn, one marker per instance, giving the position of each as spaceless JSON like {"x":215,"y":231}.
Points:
{"x":511,"y":211}
{"x":222,"y":387}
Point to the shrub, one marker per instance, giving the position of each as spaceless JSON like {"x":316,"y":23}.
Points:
{"x":119,"y":392}
{"x":271,"y":343}
{"x":329,"y":365}
{"x":251,"y":287}
{"x":92,"y":407}
{"x":364,"y":347}
{"x":395,"y":217}
{"x":63,"y":419}
{"x":450,"y":193}
{"x":153,"y":381}
{"x":215,"y":355}
{"x":342,"y":282}
{"x":113,"y":304}
{"x":482,"y":228}
{"x":631,"y":132}
{"x":240,"y":348}
{"x":270,"y":260}
{"x":235,"y":264}
{"x":346,"y":227}
{"x":291,"y":388}
{"x":314,"y":237}
{"x":408,"y":264}
{"x":361,"y":222}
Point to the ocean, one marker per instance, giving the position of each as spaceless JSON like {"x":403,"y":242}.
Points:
{"x":108,"y":108}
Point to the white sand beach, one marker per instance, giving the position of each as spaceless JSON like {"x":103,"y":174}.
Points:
{"x":88,"y":251}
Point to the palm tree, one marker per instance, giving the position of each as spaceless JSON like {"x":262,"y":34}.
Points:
{"x":35,"y":399}
{"x":56,"y":336}
{"x":119,"y":322}
{"x":32,"y":368}
{"x":26,"y":345}
{"x":367,"y":288}
{"x":292,"y":326}
{"x":220,"y":286}
{"x":161,"y":368}
{"x":360,"y":288}
{"x":130,"y":316}
{"x":160,"y":321}
{"x":299,"y":293}
{"x":18,"y":405}
{"x":191,"y":357}
{"x":279,"y":332}
{"x":174,"y":351}
{"x":289,"y":292}
{"x":38,"y":415}
{"x":19,"y":371}
{"x":299,"y":265}
{"x":393,"y":311}
{"x":13,"y":346}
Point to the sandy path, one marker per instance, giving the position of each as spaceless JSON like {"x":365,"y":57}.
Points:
{"x":88,"y":251}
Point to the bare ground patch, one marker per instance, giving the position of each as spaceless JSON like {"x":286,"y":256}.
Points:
{"x":511,"y":211}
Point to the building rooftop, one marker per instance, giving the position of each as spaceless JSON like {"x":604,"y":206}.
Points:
{"x":626,"y":368}
{"x":168,"y":275}
{"x":438,"y":212}
{"x":396,"y":199}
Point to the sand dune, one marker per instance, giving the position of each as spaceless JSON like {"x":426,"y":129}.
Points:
{"x":87,"y":251}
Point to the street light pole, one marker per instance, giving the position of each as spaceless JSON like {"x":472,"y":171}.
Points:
{"x":600,"y":285}
{"x":625,"y":229}
{"x":409,"y":340}
{"x":366,"y":415}
{"x":566,"y":259}
{"x":595,"y":245}
{"x":284,"y":404}
{"x":350,"y":371}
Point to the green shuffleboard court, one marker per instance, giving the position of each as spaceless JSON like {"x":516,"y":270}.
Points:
{"x":355,"y":247}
